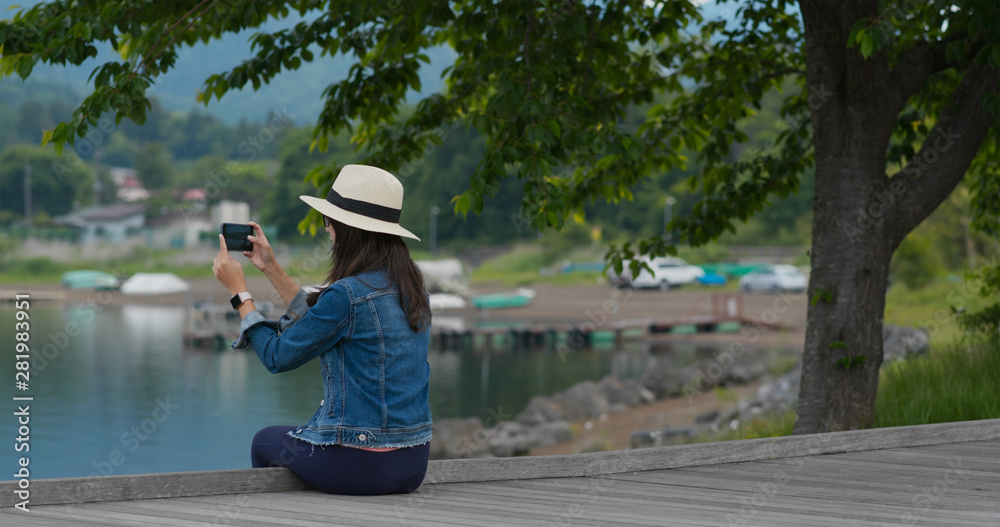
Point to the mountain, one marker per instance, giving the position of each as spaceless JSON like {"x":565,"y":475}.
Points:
{"x":299,"y":91}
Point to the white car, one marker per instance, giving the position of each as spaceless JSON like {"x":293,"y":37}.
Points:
{"x":774,"y":279}
{"x":667,"y":272}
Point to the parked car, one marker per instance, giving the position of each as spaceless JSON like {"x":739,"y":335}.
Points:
{"x":667,"y":272}
{"x":774,"y":279}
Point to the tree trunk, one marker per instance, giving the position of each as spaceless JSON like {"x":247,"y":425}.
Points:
{"x":843,"y":347}
{"x":860,"y":214}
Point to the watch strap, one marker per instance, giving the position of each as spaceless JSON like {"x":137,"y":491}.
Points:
{"x":239,"y":298}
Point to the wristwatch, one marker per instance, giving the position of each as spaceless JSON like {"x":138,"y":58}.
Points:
{"x":238,"y":299}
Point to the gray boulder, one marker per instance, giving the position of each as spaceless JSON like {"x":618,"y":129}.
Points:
{"x":662,"y":436}
{"x":458,"y":438}
{"x":900,"y":342}
{"x":582,"y":400}
{"x":619,"y":394}
{"x":540,"y":410}
{"x":744,"y":369}
{"x":551,"y":433}
{"x":511,"y":439}
{"x":663,"y":379}
{"x":707,"y":417}
{"x":636,"y":391}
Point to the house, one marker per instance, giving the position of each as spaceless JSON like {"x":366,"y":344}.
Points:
{"x":129,"y":187}
{"x":111,"y":223}
{"x":178,"y":229}
{"x":230,"y":212}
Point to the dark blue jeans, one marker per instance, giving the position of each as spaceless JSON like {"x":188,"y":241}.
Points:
{"x":339,"y":469}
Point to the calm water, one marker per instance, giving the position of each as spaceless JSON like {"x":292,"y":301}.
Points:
{"x":124,"y":395}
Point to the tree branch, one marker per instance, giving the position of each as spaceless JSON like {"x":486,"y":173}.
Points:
{"x":918,"y":63}
{"x":947,"y":152}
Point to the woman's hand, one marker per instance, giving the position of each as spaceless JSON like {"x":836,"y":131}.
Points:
{"x":262,"y":256}
{"x":228,"y":271}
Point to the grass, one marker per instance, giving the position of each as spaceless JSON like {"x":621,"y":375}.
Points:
{"x":958,"y":382}
{"x":931,"y":308}
{"x":534,"y":263}
{"x":530,"y":264}
{"x":43,"y":270}
{"x":774,"y":425}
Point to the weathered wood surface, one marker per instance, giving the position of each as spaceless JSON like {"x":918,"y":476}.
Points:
{"x":943,"y":485}
{"x":244,"y":481}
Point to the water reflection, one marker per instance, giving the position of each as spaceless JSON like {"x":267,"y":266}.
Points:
{"x":111,"y":372}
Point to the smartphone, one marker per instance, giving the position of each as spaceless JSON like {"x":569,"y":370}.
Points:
{"x":236,"y":236}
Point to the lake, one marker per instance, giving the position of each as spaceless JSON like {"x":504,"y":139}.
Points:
{"x":122,"y":393}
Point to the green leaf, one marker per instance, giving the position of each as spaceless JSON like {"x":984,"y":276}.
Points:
{"x":556,"y":131}
{"x":24,"y":67}
{"x":867,"y":43}
{"x":462,"y":203}
{"x":837,"y":344}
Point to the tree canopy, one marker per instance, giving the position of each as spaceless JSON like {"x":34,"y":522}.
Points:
{"x":894,"y":102}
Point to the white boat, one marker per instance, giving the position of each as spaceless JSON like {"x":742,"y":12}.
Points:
{"x":446,"y":301}
{"x":154,"y":284}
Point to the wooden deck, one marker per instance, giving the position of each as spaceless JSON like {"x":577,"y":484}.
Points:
{"x":935,"y":475}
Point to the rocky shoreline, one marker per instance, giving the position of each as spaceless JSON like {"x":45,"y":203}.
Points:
{"x":547,"y":420}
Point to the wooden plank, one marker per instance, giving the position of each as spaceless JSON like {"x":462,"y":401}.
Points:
{"x":950,"y":464}
{"x":721,"y":504}
{"x":492,"y":469}
{"x":692,"y":509}
{"x":986,"y":447}
{"x":106,"y":517}
{"x":160,"y":485}
{"x":181,"y":509}
{"x":894,"y":476}
{"x":836,"y":495}
{"x":719,"y":480}
{"x":988,"y":452}
{"x":931,"y":457}
{"x":827,"y":500}
{"x":356,"y":508}
{"x":856,"y":491}
{"x":498,"y":506}
{"x":181,"y":484}
{"x":40,"y":518}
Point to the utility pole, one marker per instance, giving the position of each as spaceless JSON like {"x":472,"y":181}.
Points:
{"x":434,"y":228}
{"x":27,"y":191}
{"x":667,"y":216}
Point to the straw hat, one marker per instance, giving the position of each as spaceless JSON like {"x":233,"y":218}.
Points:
{"x":365,"y":197}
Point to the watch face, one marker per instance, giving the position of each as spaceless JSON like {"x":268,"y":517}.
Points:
{"x":235,"y":301}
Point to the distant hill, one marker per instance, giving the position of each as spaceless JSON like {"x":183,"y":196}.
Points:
{"x":299,"y":90}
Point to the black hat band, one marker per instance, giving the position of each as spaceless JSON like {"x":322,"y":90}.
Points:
{"x":371,"y":210}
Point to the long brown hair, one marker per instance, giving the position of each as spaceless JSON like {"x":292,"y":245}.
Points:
{"x":357,"y":251}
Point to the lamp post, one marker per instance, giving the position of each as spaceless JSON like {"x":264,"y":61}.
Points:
{"x":434,"y":228}
{"x":668,"y":215}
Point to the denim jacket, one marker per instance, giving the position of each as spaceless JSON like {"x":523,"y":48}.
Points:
{"x":374,"y":367}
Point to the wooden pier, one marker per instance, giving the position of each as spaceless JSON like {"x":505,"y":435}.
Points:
{"x":726,"y":313}
{"x":579,"y":334}
{"x":933,"y":475}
